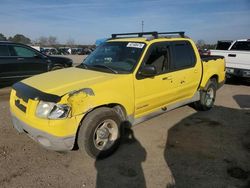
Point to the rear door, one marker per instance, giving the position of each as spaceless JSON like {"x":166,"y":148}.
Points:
{"x":186,"y":69}
{"x":28,"y":62}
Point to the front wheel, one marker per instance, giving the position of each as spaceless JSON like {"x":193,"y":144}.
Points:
{"x":99,"y":134}
{"x":207,"y":97}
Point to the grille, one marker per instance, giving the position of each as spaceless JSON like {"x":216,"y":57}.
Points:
{"x":18,"y":104}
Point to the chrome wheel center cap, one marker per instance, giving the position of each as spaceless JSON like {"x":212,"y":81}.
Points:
{"x":103,"y":133}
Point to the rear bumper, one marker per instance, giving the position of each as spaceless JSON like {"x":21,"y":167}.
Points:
{"x":47,"y":140}
{"x":238,"y":72}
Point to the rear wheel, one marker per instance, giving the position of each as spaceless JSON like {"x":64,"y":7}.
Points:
{"x":99,"y":134}
{"x":207,"y":97}
{"x":56,"y":67}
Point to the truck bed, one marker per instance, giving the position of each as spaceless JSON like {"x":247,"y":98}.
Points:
{"x":205,"y":58}
{"x":213,"y":66}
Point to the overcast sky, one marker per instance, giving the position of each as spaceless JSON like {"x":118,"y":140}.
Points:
{"x":86,"y":21}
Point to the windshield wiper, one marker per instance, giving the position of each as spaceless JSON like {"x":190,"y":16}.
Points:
{"x":104,"y":66}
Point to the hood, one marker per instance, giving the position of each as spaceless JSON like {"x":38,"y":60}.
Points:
{"x":58,"y":59}
{"x":66,"y":80}
{"x":55,"y":58}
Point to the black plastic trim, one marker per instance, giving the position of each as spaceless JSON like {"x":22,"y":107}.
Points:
{"x":238,"y":72}
{"x":205,"y":58}
{"x":20,"y":106}
{"x":27,"y":92}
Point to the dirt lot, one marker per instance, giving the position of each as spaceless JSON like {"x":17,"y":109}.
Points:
{"x":182,"y":148}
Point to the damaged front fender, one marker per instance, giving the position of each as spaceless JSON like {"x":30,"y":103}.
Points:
{"x":80,"y":100}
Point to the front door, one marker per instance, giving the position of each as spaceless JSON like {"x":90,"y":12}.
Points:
{"x":155,"y":92}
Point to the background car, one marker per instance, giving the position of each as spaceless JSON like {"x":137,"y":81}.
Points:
{"x":19,"y":61}
{"x":49,"y":51}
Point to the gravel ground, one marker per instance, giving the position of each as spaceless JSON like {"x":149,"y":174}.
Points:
{"x":182,"y":148}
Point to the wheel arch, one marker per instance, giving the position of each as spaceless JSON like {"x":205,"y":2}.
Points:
{"x":216,"y":77}
{"x":52,"y":66}
{"x":118,"y":108}
{"x":212,"y":77}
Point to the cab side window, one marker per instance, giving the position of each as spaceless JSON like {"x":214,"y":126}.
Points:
{"x":159,"y":57}
{"x":4,"y":51}
{"x":23,"y":52}
{"x":183,"y":55}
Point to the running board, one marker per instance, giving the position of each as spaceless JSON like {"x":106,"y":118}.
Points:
{"x":134,"y":121}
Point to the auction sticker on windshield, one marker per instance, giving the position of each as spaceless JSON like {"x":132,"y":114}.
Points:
{"x":135,"y":45}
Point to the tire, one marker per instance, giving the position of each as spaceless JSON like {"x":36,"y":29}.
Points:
{"x":99,"y":134}
{"x":207,"y":97}
{"x":56,"y":68}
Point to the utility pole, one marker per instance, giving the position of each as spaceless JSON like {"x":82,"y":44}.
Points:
{"x":142,"y":25}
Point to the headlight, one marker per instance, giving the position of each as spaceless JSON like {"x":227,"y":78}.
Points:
{"x":51,"y":110}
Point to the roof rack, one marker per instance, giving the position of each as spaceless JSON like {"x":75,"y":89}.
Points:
{"x":181,"y":33}
{"x":155,"y":34}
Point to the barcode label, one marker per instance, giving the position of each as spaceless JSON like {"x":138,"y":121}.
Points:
{"x":135,"y":45}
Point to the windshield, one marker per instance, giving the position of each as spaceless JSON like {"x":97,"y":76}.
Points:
{"x":116,"y":57}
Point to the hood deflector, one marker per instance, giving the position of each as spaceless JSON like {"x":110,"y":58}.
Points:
{"x":27,"y":92}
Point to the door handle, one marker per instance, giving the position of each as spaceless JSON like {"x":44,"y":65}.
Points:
{"x":231,"y":55}
{"x":20,"y":59}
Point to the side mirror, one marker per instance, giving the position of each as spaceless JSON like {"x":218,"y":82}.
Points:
{"x":148,"y":71}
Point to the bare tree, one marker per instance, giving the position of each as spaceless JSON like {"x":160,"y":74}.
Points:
{"x":200,"y":43}
{"x":2,"y":37}
{"x":47,"y":41}
{"x":43,"y":41}
{"x":52,"y":40}
{"x":70,"y":42}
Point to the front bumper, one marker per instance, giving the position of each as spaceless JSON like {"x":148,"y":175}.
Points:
{"x":47,"y":140}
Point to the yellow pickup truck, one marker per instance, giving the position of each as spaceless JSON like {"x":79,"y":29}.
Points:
{"x":129,"y":78}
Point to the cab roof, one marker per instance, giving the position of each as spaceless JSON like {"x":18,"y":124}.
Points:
{"x":10,"y":42}
{"x":243,"y":40}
